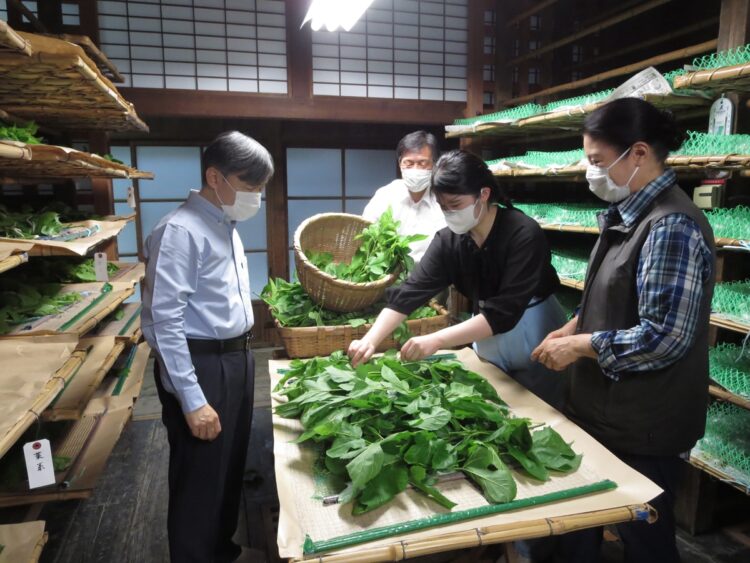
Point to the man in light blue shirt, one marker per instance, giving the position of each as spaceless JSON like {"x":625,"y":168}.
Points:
{"x":197,"y":316}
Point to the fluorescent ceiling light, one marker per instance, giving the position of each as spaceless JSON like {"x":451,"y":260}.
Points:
{"x":334,"y":13}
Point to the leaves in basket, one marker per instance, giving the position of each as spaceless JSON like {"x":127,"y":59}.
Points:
{"x":383,"y":251}
{"x":387,"y":424}
{"x":292,"y":307}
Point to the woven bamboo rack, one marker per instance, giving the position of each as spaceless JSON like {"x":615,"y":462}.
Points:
{"x":486,"y":535}
{"x":106,"y":66}
{"x":82,"y":396}
{"x":12,"y":42}
{"x":681,"y":163}
{"x":60,"y":86}
{"x":715,"y":320}
{"x":720,"y":79}
{"x":711,"y":469}
{"x":720,"y":241}
{"x":42,"y":401}
{"x":49,"y":161}
{"x":571,"y":118}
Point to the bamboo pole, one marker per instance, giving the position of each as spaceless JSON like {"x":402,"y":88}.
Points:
{"x":620,"y":71}
{"x":660,"y":38}
{"x":530,"y":12}
{"x":728,"y":397}
{"x":487,"y":535}
{"x":609,"y":22}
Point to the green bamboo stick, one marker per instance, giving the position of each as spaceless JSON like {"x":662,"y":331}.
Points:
{"x":373,"y":534}
{"x":124,"y":372}
{"x":131,"y":321}
{"x":106,"y":288}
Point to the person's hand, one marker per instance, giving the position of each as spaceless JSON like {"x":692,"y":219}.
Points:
{"x":568,"y":329}
{"x":360,"y":351}
{"x":558,"y":353}
{"x":204,"y":423}
{"x":420,"y":347}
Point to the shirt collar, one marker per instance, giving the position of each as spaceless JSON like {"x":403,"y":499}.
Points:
{"x":427,"y":199}
{"x":633,"y":207}
{"x":196,"y":201}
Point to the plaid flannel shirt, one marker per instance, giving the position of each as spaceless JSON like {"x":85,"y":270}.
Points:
{"x":674,"y":263}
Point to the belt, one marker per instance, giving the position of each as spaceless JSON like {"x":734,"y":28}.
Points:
{"x":237,"y":344}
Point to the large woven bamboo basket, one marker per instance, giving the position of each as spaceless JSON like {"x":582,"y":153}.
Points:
{"x":335,"y":233}
{"x":308,"y":342}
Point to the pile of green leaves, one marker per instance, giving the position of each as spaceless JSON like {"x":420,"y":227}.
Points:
{"x":293,"y":308}
{"x":22,"y":302}
{"x":29,"y":225}
{"x":63,"y":270}
{"x":50,"y":221}
{"x":21,"y":133}
{"x":112,"y":158}
{"x":386,"y":425}
{"x":382,"y":252}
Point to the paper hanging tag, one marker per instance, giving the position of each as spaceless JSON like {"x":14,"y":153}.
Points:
{"x":131,"y":197}
{"x":100,"y":267}
{"x":39,"y":464}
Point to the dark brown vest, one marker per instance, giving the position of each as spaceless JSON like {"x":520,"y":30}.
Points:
{"x":660,"y":412}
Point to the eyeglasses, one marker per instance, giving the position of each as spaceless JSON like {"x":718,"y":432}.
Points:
{"x":421,"y":163}
{"x":252,"y":189}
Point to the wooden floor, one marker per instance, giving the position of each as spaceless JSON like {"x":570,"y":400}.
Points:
{"x":125,"y":520}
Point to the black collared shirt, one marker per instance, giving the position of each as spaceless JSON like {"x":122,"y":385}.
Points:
{"x":501,"y":278}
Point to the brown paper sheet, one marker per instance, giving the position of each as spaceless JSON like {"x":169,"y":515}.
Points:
{"x":80,"y":247}
{"x":99,"y":359}
{"x":28,"y":364}
{"x":130,"y":389}
{"x":118,"y":328}
{"x":302,"y":511}
{"x":20,"y":541}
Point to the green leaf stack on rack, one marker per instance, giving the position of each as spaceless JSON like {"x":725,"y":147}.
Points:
{"x":730,"y":368}
{"x":388,"y":424}
{"x":21,"y":303}
{"x":575,"y":214}
{"x":727,"y":440}
{"x":20,"y":133}
{"x":571,"y":264}
{"x":541,"y":159}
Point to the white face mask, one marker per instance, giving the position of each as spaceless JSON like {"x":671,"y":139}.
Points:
{"x":462,"y":221}
{"x":416,"y":179}
{"x":602,"y":185}
{"x":246,"y":204}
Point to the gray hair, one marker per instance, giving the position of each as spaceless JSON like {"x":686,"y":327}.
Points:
{"x":233,"y":152}
{"x":415,"y":142}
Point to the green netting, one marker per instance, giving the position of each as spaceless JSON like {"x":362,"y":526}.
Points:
{"x":705,"y":144}
{"x":727,"y":436}
{"x":732,"y":300}
{"x":570,"y":263}
{"x":512,"y":114}
{"x":578,"y":214}
{"x":731,"y":57}
{"x":730,"y":368}
{"x":582,"y":100}
{"x":731,"y":223}
{"x":541,"y":159}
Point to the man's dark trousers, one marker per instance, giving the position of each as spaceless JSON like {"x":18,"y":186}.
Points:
{"x":205,"y":478}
